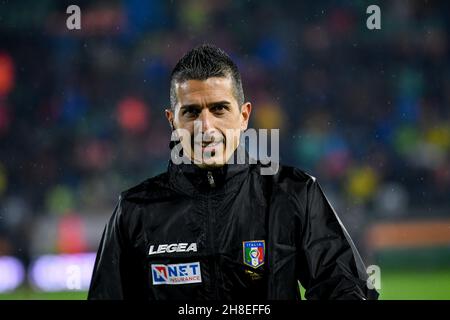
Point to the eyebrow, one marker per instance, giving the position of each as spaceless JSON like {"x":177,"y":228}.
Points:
{"x":210,"y":105}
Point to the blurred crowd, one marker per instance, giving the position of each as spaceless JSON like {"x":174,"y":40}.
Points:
{"x":82,"y":111}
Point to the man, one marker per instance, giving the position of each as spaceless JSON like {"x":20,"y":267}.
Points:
{"x":216,"y":228}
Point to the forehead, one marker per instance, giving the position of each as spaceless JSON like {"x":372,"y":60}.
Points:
{"x":204,"y":91}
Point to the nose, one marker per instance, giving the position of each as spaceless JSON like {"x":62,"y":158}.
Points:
{"x":207,"y":120}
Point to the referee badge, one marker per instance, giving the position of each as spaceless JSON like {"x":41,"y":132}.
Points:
{"x":254,"y":252}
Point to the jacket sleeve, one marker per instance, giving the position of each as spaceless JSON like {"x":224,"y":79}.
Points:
{"x":114,"y":273}
{"x":330,"y":265}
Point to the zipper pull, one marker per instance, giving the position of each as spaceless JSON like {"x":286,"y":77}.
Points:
{"x":211,"y":179}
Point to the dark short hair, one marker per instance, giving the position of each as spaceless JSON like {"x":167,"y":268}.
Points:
{"x":203,"y":62}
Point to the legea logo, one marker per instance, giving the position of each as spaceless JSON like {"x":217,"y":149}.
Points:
{"x":173,"y":247}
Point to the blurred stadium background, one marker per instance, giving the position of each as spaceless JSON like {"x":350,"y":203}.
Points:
{"x":366,"y":112}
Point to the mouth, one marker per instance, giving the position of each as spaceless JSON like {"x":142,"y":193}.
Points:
{"x":211,"y":146}
{"x":207,"y":144}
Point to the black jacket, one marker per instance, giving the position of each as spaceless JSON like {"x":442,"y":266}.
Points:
{"x":229,"y":233}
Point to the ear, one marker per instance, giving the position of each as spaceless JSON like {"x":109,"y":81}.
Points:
{"x":246,"y":109}
{"x":169,"y":115}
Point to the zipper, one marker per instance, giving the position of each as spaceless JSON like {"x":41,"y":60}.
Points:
{"x":211,"y":181}
{"x":211,"y":220}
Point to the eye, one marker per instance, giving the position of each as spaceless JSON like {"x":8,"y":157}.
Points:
{"x":191,"y":112}
{"x":220,"y":108}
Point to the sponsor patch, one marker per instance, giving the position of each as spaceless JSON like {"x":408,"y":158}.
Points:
{"x":254,"y":253}
{"x":181,"y":273}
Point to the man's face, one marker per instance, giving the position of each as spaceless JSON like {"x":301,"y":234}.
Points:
{"x":208,"y":107}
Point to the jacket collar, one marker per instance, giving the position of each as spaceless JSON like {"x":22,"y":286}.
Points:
{"x":190,"y":179}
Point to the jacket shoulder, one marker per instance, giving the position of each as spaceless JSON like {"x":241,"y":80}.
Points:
{"x":294,"y":175}
{"x":294,"y":182}
{"x":288,"y":174}
{"x":151,"y":189}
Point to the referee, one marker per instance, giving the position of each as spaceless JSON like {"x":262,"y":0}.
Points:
{"x":215,"y":227}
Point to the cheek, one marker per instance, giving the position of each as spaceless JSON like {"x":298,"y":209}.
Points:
{"x":231,"y":122}
{"x":184,"y":124}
